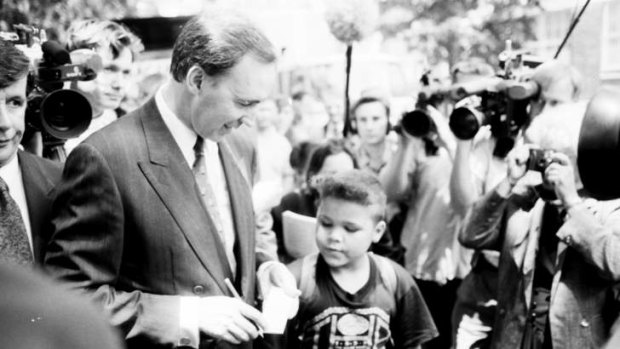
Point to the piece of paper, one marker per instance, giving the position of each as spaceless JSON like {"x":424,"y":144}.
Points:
{"x":299,"y":234}
{"x":277,"y":309}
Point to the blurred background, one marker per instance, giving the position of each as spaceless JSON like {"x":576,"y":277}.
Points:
{"x":407,"y":38}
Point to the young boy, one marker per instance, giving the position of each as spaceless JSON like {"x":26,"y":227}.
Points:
{"x":350,"y":297}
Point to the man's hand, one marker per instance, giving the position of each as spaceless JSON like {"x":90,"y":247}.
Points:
{"x":561,"y":175}
{"x":517,"y":174}
{"x":277,"y":274}
{"x":229,"y":319}
{"x":517,"y":163}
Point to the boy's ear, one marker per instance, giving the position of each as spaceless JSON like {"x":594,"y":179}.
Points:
{"x":379,"y":231}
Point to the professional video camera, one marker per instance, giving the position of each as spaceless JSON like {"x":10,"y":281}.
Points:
{"x":501,"y":101}
{"x":417,"y":122}
{"x":59,"y":114}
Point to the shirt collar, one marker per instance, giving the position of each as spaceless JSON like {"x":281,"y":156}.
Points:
{"x":11,"y":173}
{"x":184,"y":136}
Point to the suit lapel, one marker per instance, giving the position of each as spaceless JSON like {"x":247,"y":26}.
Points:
{"x":172,"y":179}
{"x":37,"y":187}
{"x":240,"y":191}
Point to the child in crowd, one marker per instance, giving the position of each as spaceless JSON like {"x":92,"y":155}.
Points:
{"x":350,"y":297}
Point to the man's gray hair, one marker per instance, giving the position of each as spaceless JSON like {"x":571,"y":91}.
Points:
{"x":216,"y":40}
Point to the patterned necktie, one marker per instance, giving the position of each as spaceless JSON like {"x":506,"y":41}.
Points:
{"x":14,"y":245}
{"x":208,"y":196}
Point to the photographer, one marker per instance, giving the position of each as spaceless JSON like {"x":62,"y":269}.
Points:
{"x":26,"y":181}
{"x":477,"y":170}
{"x":419,"y":174}
{"x":118,"y":48}
{"x":370,"y":121}
{"x":559,"y":248}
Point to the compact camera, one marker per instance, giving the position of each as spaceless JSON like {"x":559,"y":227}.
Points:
{"x":539,"y":159}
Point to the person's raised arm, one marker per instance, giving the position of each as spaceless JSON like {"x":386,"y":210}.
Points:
{"x":396,"y":175}
{"x":592,"y":227}
{"x":463,"y":191}
{"x":484,"y":222}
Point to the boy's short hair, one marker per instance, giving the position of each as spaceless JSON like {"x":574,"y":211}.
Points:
{"x":357,"y":186}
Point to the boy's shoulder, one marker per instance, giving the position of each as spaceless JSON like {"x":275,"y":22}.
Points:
{"x":393,"y":275}
{"x":295,"y":268}
{"x":396,"y":277}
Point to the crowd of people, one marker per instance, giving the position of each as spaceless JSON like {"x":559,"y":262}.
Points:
{"x":166,"y":226}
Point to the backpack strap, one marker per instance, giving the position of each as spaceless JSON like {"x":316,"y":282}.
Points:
{"x":307,"y":281}
{"x":386,"y":271}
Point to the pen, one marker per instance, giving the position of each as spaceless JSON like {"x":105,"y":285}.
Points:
{"x":236,"y":294}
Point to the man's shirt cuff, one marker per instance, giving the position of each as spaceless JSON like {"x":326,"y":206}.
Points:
{"x":189,"y":322}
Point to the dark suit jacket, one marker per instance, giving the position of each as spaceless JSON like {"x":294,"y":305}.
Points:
{"x":37,"y":313}
{"x":131,"y":227}
{"x":39,"y":177}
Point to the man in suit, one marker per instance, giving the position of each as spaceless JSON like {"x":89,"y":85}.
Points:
{"x":559,"y":265}
{"x":26,"y":181}
{"x":154,"y":211}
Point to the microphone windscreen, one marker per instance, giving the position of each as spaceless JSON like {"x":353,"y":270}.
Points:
{"x":54,"y":52}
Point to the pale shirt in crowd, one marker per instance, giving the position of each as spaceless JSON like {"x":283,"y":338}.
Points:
{"x":107,"y":117}
{"x":430,"y":231}
{"x":487,"y":170}
{"x":363,"y":157}
{"x":12,"y":176}
{"x":186,"y":139}
{"x":276,"y":174}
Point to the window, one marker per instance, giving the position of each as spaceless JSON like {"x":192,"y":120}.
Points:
{"x":552,"y":27}
{"x":610,"y":41}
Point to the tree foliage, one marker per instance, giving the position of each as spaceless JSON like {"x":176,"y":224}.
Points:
{"x":453,"y":30}
{"x":55,"y":16}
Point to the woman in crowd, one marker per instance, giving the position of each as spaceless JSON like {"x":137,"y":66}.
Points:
{"x":329,"y":158}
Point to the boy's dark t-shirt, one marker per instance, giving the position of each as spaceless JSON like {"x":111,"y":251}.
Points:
{"x":373,"y":317}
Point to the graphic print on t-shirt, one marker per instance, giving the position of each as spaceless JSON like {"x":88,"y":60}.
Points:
{"x":340,"y":327}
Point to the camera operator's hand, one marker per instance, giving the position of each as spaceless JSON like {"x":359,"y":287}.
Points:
{"x":517,"y":169}
{"x":517,"y":163}
{"x":561,"y":175}
{"x":445,"y":137}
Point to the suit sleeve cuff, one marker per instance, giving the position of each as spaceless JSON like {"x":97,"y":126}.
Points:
{"x":189,"y":322}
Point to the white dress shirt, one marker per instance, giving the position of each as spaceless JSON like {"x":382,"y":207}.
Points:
{"x":191,"y":309}
{"x":186,"y":139}
{"x":12,"y":176}
{"x":190,"y":306}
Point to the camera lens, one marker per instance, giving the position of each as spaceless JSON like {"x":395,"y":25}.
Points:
{"x":65,"y":113}
{"x":417,"y":123}
{"x":465,"y":122}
